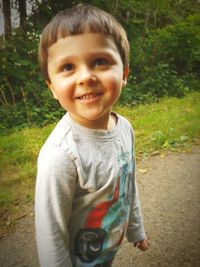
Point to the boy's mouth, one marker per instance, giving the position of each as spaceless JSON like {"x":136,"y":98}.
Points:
{"x":89,"y":96}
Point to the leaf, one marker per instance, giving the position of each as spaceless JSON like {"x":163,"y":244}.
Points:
{"x":166,"y":144}
{"x":155,"y":153}
{"x":184,"y":138}
{"x":21,"y":216}
{"x":143,"y":171}
{"x":24,"y":62}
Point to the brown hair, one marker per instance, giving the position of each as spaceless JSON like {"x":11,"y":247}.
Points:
{"x":77,"y":20}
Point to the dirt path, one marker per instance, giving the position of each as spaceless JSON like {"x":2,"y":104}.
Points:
{"x":170,"y":195}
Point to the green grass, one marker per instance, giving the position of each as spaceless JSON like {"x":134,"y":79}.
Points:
{"x":170,"y":124}
{"x":18,"y":156}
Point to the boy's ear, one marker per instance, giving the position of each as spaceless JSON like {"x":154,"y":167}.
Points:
{"x":125,"y":75}
{"x":49,"y":84}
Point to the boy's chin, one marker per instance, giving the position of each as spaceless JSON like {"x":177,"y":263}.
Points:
{"x":92,"y":120}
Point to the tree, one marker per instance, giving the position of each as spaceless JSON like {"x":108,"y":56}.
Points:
{"x":7,"y":18}
{"x":22,"y":13}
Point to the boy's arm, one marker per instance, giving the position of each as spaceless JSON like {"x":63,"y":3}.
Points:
{"x":135,"y":231}
{"x":55,"y":186}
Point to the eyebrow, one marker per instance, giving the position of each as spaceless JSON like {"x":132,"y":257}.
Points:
{"x":71,"y":58}
{"x":63,"y":60}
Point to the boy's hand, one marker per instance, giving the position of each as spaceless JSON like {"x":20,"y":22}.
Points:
{"x":142,"y":244}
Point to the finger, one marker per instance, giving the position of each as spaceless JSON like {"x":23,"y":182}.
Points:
{"x":136,"y":245}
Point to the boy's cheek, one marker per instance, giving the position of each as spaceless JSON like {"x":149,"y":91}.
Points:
{"x":115,"y":76}
{"x":54,"y":94}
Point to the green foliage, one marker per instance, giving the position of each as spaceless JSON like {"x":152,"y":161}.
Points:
{"x":176,"y":45}
{"x":164,"y":62}
{"x":19,"y":68}
{"x":157,"y":81}
{"x":28,"y":114}
{"x":24,"y":98}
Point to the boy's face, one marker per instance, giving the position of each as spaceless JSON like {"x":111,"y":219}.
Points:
{"x":86,"y":76}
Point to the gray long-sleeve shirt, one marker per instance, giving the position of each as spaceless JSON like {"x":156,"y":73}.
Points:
{"x":86,"y":197}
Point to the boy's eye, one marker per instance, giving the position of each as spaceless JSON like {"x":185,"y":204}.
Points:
{"x":100,"y":62}
{"x":68,"y":67}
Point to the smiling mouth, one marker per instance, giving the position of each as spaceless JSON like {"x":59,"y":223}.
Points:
{"x":89,"y":96}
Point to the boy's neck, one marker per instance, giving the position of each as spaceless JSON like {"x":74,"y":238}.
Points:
{"x":108,"y":123}
{"x":112,"y":122}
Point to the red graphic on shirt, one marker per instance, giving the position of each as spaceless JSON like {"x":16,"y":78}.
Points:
{"x":97,"y":214}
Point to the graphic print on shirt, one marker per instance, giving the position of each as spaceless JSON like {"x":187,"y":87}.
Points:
{"x":106,"y":223}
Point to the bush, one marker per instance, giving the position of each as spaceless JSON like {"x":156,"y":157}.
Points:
{"x":157,"y":82}
{"x":24,"y":98}
{"x":176,"y":45}
{"x":28,"y":114}
{"x":165,"y":62}
{"x":19,"y":67}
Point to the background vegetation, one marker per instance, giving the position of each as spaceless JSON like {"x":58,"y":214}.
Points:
{"x":164,"y":61}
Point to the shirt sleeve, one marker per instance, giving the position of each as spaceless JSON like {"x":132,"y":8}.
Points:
{"x":135,"y":231}
{"x":55,"y":187}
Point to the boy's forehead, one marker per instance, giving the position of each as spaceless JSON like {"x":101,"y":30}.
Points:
{"x":83,"y":42}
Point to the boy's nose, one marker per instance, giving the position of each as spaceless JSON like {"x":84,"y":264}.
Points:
{"x":86,"y":77}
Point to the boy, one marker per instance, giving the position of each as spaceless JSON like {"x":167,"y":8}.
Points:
{"x":86,"y":196}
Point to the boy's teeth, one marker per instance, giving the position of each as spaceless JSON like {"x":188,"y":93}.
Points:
{"x":84,"y":97}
